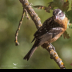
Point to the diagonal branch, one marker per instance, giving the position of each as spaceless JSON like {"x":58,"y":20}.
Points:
{"x":31,"y":12}
{"x":49,"y":47}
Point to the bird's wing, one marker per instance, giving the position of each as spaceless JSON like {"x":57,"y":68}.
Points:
{"x":43,"y":29}
{"x":52,"y":35}
{"x":47,"y":25}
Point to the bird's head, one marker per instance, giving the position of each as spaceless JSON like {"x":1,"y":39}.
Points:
{"x":58,"y":14}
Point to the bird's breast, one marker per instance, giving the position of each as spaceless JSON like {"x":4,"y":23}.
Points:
{"x":63,"y":23}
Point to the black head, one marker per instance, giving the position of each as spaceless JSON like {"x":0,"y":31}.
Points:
{"x":58,"y":14}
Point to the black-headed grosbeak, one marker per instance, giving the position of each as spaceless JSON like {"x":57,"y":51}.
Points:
{"x":50,"y":31}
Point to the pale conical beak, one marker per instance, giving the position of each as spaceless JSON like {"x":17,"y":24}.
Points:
{"x":56,"y":17}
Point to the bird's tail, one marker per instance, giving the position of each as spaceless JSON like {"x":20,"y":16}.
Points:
{"x":30,"y":53}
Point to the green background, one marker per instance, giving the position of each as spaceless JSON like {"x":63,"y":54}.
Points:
{"x":10,"y":14}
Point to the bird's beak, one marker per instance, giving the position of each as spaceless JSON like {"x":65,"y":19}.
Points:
{"x":56,"y":17}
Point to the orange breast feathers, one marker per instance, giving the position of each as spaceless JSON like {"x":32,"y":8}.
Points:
{"x":63,"y":23}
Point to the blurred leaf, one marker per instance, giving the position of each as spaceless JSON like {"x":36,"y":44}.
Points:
{"x":55,"y":3}
{"x":66,"y":35}
{"x":60,"y":4}
{"x":70,"y":26}
{"x":69,"y":15}
{"x":65,"y":6}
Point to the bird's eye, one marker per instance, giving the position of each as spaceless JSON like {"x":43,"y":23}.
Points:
{"x":59,"y":13}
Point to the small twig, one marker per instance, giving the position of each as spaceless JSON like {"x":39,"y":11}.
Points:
{"x":16,"y":34}
{"x":49,"y":47}
{"x":27,"y":16}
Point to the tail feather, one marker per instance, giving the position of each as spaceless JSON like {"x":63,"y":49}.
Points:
{"x":30,"y":53}
{"x":33,"y":39}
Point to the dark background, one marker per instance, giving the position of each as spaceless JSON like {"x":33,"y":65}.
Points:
{"x":10,"y":14}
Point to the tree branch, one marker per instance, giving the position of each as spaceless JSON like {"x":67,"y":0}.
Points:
{"x":49,"y":47}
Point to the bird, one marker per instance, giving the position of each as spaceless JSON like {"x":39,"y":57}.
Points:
{"x":50,"y":31}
